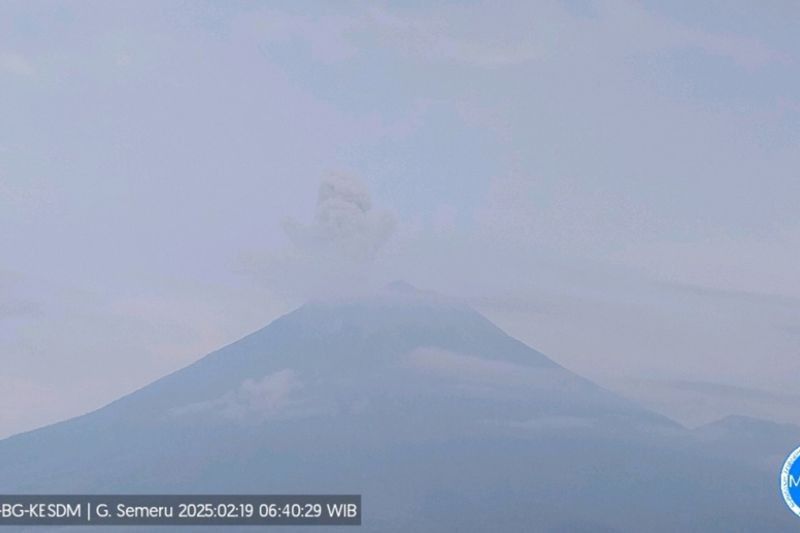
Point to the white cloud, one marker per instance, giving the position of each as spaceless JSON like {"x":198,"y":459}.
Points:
{"x":274,"y":396}
{"x":15,"y":64}
{"x":659,"y":32}
{"x":12,"y":309}
{"x":15,"y":300}
{"x":464,"y":35}
{"x":483,"y":36}
{"x":326,"y":38}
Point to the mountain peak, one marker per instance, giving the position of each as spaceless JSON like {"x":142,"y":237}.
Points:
{"x":398,"y":293}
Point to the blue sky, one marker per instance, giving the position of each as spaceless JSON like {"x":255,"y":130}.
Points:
{"x":613,"y":182}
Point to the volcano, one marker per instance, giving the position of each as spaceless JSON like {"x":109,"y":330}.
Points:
{"x":416,"y":401}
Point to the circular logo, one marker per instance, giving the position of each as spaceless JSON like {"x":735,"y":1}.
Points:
{"x":790,"y":481}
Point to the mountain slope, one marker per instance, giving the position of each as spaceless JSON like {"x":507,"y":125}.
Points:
{"x":439,"y":418}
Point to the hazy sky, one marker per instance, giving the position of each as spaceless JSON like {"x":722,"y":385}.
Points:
{"x":615,"y":183}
